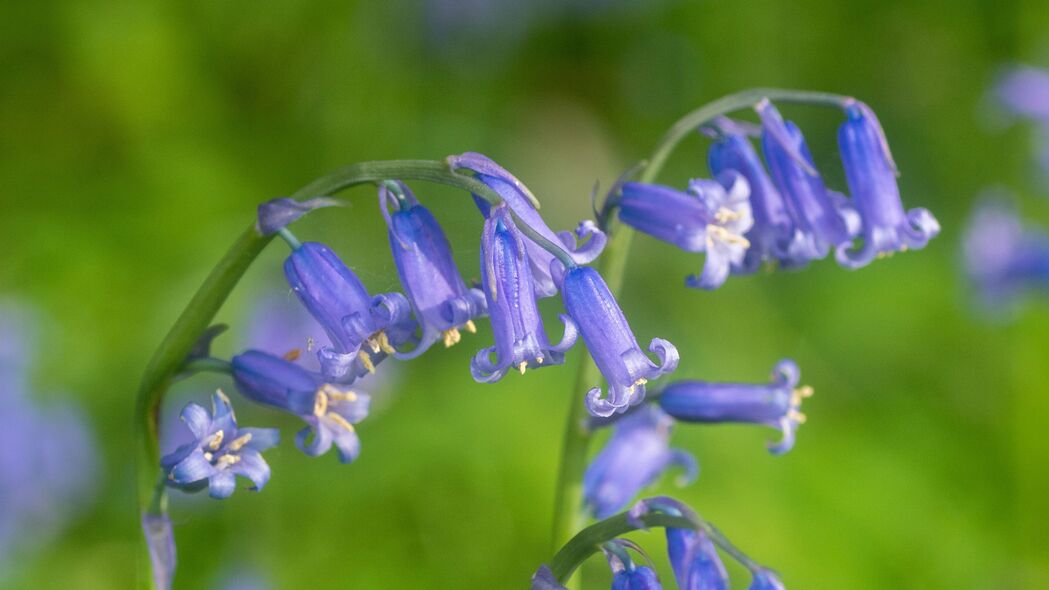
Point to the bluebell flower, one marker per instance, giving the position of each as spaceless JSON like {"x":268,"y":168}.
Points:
{"x":519,"y":199}
{"x":695,"y":560}
{"x":772,"y":232}
{"x":871,"y":176}
{"x":636,"y":578}
{"x":821,"y":218}
{"x":160,"y":540}
{"x":764,"y":579}
{"x":1002,"y":258}
{"x":329,"y":410}
{"x":635,"y":455}
{"x":442,"y":302}
{"x":711,"y":217}
{"x":362,"y":329}
{"x":219,"y":452}
{"x":1024,"y":90}
{"x":611,"y":343}
{"x":520,"y":337}
{"x":775,"y":404}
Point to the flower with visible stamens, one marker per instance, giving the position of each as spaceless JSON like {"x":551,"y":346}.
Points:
{"x":635,"y":455}
{"x":711,"y":217}
{"x":442,"y":302}
{"x":329,"y":410}
{"x":611,"y":343}
{"x":219,"y":451}
{"x":519,"y":199}
{"x":363,"y":329}
{"x":821,"y":218}
{"x":871,"y":176}
{"x":520,"y":337}
{"x":776,"y":404}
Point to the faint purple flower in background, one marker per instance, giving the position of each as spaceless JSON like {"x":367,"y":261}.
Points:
{"x":49,"y":461}
{"x":1024,"y":92}
{"x":1004,"y":259}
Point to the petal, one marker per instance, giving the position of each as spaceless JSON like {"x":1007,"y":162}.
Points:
{"x":686,"y":461}
{"x":346,"y":442}
{"x":278,"y":213}
{"x":570,"y":335}
{"x":483,"y":370}
{"x":161,"y":541}
{"x":192,"y":469}
{"x":318,"y":445}
{"x":598,"y":406}
{"x":222,"y":484}
{"x":261,"y":438}
{"x":667,"y":355}
{"x":253,"y":467}
{"x":786,"y":373}
{"x":222,"y":415}
{"x":197,"y":419}
{"x":921,"y":228}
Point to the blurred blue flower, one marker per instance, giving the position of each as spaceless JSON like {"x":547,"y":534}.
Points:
{"x":49,"y":463}
{"x":1002,"y":258}
{"x":162,"y":554}
{"x":772,"y":231}
{"x":518,"y":198}
{"x":635,"y":455}
{"x":431,"y":280}
{"x":329,"y":410}
{"x":611,"y":343}
{"x":775,"y":404}
{"x":520,"y":337}
{"x":1024,"y":91}
{"x":711,"y":217}
{"x":821,"y":218}
{"x":219,"y":452}
{"x":363,"y":329}
{"x":871,"y":176}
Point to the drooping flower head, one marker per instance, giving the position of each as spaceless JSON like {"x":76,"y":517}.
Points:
{"x":772,"y":231}
{"x":1003,"y":258}
{"x":711,"y":217}
{"x":820,"y":216}
{"x":626,"y":575}
{"x":871,"y":176}
{"x":635,"y":455}
{"x":520,"y":337}
{"x":775,"y":404}
{"x":219,"y":451}
{"x":442,"y":302}
{"x":362,"y":329}
{"x":519,"y":199}
{"x":329,"y":410}
{"x":692,"y":553}
{"x":611,"y":343}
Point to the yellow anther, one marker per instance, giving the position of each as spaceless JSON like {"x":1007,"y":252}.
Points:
{"x":539,"y":360}
{"x":216,"y":441}
{"x":293,"y":354}
{"x":718,"y":233}
{"x":208,"y":456}
{"x":797,"y":416}
{"x":366,"y":360}
{"x":725,"y":215}
{"x":239,"y":442}
{"x":381,"y":340}
{"x":320,"y":404}
{"x":451,"y":337}
{"x":340,"y":421}
{"x":522,"y":366}
{"x":227,"y":460}
{"x":335,"y":395}
{"x":640,"y":381}
{"x":470,"y":327}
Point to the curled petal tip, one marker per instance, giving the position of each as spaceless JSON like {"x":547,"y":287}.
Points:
{"x":275,"y":214}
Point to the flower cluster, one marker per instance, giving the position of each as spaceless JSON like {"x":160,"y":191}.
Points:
{"x":748,"y":216}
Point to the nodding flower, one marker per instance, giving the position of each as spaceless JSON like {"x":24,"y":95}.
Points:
{"x":821,"y":218}
{"x":871,"y":175}
{"x":363,"y":329}
{"x":776,"y":404}
{"x":695,"y":560}
{"x":520,"y":337}
{"x":626,"y":575}
{"x":611,"y":343}
{"x":329,"y":410}
{"x":442,"y":302}
{"x":219,"y":451}
{"x":710,"y":217}
{"x":519,"y":199}
{"x":637,"y":453}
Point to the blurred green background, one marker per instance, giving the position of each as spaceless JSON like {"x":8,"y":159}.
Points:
{"x":137,"y":138}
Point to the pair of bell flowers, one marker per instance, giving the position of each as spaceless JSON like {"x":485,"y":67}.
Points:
{"x":783,"y":215}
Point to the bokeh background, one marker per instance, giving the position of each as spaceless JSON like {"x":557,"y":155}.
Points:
{"x":136,"y":139}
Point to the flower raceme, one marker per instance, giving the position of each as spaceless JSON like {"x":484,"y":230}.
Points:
{"x":219,"y":451}
{"x":520,"y":337}
{"x":329,"y":410}
{"x":611,"y":343}
{"x":442,"y":302}
{"x":710,"y":217}
{"x":363,"y":329}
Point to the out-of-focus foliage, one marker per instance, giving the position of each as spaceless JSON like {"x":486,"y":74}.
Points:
{"x":136,"y":139}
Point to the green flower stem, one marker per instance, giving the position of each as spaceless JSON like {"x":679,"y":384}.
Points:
{"x":590,"y":539}
{"x":170,"y":358}
{"x":569,"y":514}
